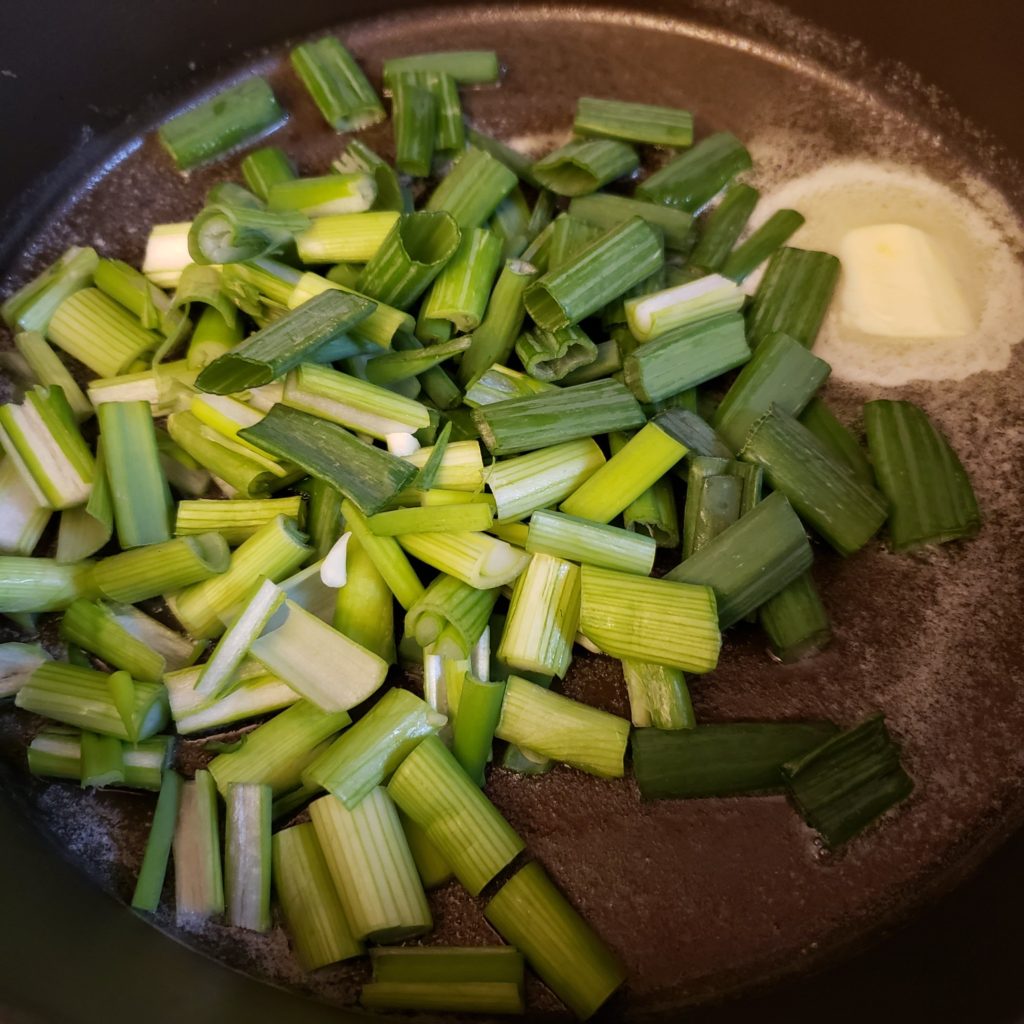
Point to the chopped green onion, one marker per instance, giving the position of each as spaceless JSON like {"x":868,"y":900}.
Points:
{"x":450,"y":606}
{"x":162,"y":386}
{"x":154,"y":309}
{"x":605,"y":211}
{"x":312,"y":911}
{"x":614,"y":262}
{"x":449,"y":131}
{"x":725,"y":759}
{"x":531,"y":914}
{"x":42,"y":584}
{"x":634,"y":122}
{"x":656,"y":620}
{"x":653,"y":514}
{"x":658,"y":696}
{"x":389,"y":367}
{"x":685,"y":357}
{"x":33,"y":304}
{"x":102,"y":760}
{"x":473,"y":188}
{"x":225,"y":232}
{"x":838,"y":439}
{"x":584,"y":165}
{"x":49,"y":371}
{"x":167,"y":253}
{"x":432,"y":867}
{"x":337,"y":85}
{"x":782,"y":372}
{"x":722,"y":226}
{"x":692,"y":180}
{"x":276,"y":752}
{"x":24,"y":516}
{"x":569,"y":237}
{"x":488,"y":997}
{"x":95,"y":627}
{"x":475,"y":558}
{"x":750,"y":561}
{"x":56,"y":752}
{"x":499,"y":383}
{"x":345,"y":237}
{"x":235,"y":520}
{"x":713,"y":498}
{"x":469,"y":518}
{"x":374,"y":874}
{"x":81,"y":696}
{"x":461,"y":467}
{"x":414,"y":114}
{"x":651,"y":316}
{"x":480,"y":704}
{"x":554,"y":355}
{"x":467,"y":67}
{"x":511,"y":224}
{"x":848,"y":781}
{"x":518,"y":163}
{"x":606,"y":362}
{"x":247,"y":856}
{"x":391,"y":195}
{"x":265,"y":168}
{"x":930,"y":496}
{"x":645,"y":458}
{"x":198,"y":878}
{"x":461,"y":291}
{"x":581,"y":540}
{"x":690,"y":430}
{"x":386,"y":555}
{"x":150,"y":883}
{"x":230,"y":118}
{"x":363,"y":610}
{"x":554,"y":417}
{"x":83,"y":531}
{"x":122,"y":692}
{"x":796,"y":620}
{"x":431,"y":787}
{"x":793,"y":296}
{"x":17,"y":663}
{"x":325,"y":196}
{"x":844,"y":511}
{"x":772,"y":234}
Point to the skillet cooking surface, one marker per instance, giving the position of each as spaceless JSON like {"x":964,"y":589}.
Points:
{"x":700,"y":898}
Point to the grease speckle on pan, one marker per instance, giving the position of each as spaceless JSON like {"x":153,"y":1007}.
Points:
{"x":707,"y":897}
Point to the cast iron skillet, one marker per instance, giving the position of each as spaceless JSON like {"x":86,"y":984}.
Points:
{"x":703,"y":899}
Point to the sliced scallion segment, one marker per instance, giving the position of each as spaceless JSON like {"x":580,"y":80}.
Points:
{"x":584,"y":165}
{"x":604,"y":210}
{"x":198,"y":877}
{"x":33,"y":304}
{"x":414,"y":114}
{"x":554,"y":355}
{"x":94,"y":627}
{"x":326,"y":195}
{"x":658,"y":695}
{"x":480,"y":704}
{"x":467,"y":67}
{"x":157,"y":569}
{"x":247,"y":856}
{"x":634,"y":122}
{"x":661,"y":312}
{"x":713,"y":499}
{"x":472,"y":189}
{"x":337,"y":84}
{"x":590,"y":543}
{"x":150,"y":883}
{"x":345,"y":237}
{"x":102,"y":760}
{"x":42,"y":584}
{"x":230,"y":232}
{"x":751,"y":253}
{"x":363,"y":609}
{"x":265,"y":168}
{"x":477,"y":559}
{"x":796,"y":621}
{"x":692,"y":180}
{"x":460,"y":292}
{"x":235,"y":520}
{"x":722,"y":226}
{"x":386,"y":555}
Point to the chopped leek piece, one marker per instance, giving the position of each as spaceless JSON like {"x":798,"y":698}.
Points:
{"x":472,"y":189}
{"x":713,"y":498}
{"x":48,"y":370}
{"x":796,"y":621}
{"x":581,"y":540}
{"x":480,"y":705}
{"x":386,"y":555}
{"x":42,"y":584}
{"x":449,"y":604}
{"x":265,"y":168}
{"x":325,"y":196}
{"x":722,"y":226}
{"x":414,"y":116}
{"x":102,"y":760}
{"x":518,"y":163}
{"x":774,"y":232}
{"x":345,"y":237}
{"x":658,"y":696}
{"x":554,"y":355}
{"x":661,"y":312}
{"x":337,"y":85}
{"x":499,"y":384}
{"x":477,"y":559}
{"x":692,"y":180}
{"x":98,"y":628}
{"x":604,"y":211}
{"x":467,"y":67}
{"x":443,"y":996}
{"x":198,"y":878}
{"x":230,"y":232}
{"x":363,"y":607}
{"x":460,"y":292}
{"x":247,"y":856}
{"x":634,"y":122}
{"x":33,"y":304}
{"x":150,"y":883}
{"x":235,"y":520}
{"x":157,"y":569}
{"x":584,"y":165}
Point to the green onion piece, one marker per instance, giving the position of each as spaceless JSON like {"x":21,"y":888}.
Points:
{"x":772,"y":234}
{"x":692,"y":432}
{"x":606,"y":211}
{"x":606,"y":362}
{"x":345,"y":237}
{"x":363,"y":608}
{"x":518,"y":163}
{"x":651,"y":316}
{"x":150,"y":883}
{"x":461,"y":468}
{"x":452,"y":997}
{"x":433,"y":869}
{"x":410,"y":257}
{"x":499,"y":383}
{"x":726,"y":759}
{"x":102,"y":760}
{"x":157,"y":569}
{"x":461,"y":291}
{"x":24,"y":515}
{"x":374,"y":874}
{"x":477,"y":559}
{"x":312,"y":912}
{"x":324,"y":519}
{"x":162,"y":387}
{"x":154,"y":309}
{"x":562,"y":729}
{"x":553,"y":355}
{"x":838,"y":439}
{"x":844,"y":511}
{"x":167,"y":253}
{"x":17,"y":662}
{"x":722,"y":226}
{"x":277,"y":752}
{"x":42,"y":584}
{"x":42,"y":439}
{"x":467,"y":67}
{"x":543,"y":618}
{"x":581,"y":540}
{"x":390,"y":367}
{"x":584,"y":165}
{"x":511,"y":224}
{"x":340,"y":674}
{"x":929,"y":493}
{"x":95,"y":627}
{"x":449,"y":605}
{"x":230,"y":118}
{"x":553,"y":417}
{"x":447,"y":964}
{"x":644,"y":460}
{"x":426,"y":479}
{"x":658,"y":696}
{"x":658,"y":620}
{"x":614,"y":262}
{"x":793,"y":296}
{"x":138,"y":488}
{"x":235,"y":520}
{"x":33,"y":304}
{"x":414,"y":114}
{"x":247,"y":856}
{"x":326,"y":195}
{"x":198,"y":878}
{"x":782,"y":372}
{"x":49,"y":371}
{"x":263,"y":287}
{"x":480,"y":705}
{"x":634,"y":122}
{"x":796,"y":621}
{"x":848,"y":781}
{"x":83,"y":531}
{"x":750,"y":561}
{"x":449,"y":131}
{"x":386,"y":555}
{"x":692,"y":180}
{"x":265,"y":168}
{"x":685,"y":357}
{"x":274,"y":551}
{"x":391,"y":195}
{"x":81,"y":697}
{"x":469,"y":518}
{"x":531,"y":914}
{"x":710,"y":507}
{"x":653,"y":514}
{"x":368,"y":753}
{"x":337,"y":85}
{"x":472,"y":190}
{"x":228,"y":233}
{"x":146,"y":763}
{"x":433,"y":790}
{"x":367,"y":475}
{"x":122,"y":692}
{"x":273,"y":351}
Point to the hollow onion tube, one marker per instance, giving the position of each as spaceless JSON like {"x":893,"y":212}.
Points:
{"x":644,"y":459}
{"x":661,"y":312}
{"x":101,"y":761}
{"x":386,"y":555}
{"x":24,"y":516}
{"x":658,"y":695}
{"x":722,"y":226}
{"x":368,"y":858}
{"x":431,"y":787}
{"x":312,"y":912}
{"x":367,"y":754}
{"x":604,"y":211}
{"x":929,"y":493}
{"x":713,"y":499}
{"x":363,"y":608}
{"x":582,"y":166}
{"x":460,"y":292}
{"x":845,"y":512}
{"x":467,"y":67}
{"x":694,"y":178}
{"x":337,"y":85}
{"x":247,"y":856}
{"x":264,"y":168}
{"x":530,"y":913}
{"x":554,"y":355}
{"x":276,"y":752}
{"x":618,"y":259}
{"x":324,"y":195}
{"x":564,"y":730}
{"x":32,"y":305}
{"x":480,"y":704}
{"x":48,"y":370}
{"x":499,"y":384}
{"x":581,"y":540}
{"x":150,"y":883}
{"x":448,"y":602}
{"x":477,"y":559}
{"x":236,"y":520}
{"x":198,"y":875}
{"x":796,"y":621}
{"x":42,"y":584}
{"x":163,"y":387}
{"x":345,"y":237}
{"x":472,"y":189}
{"x":432,"y":867}
{"x":753,"y":251}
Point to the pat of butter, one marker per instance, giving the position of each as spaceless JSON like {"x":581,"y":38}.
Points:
{"x":897,"y":283}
